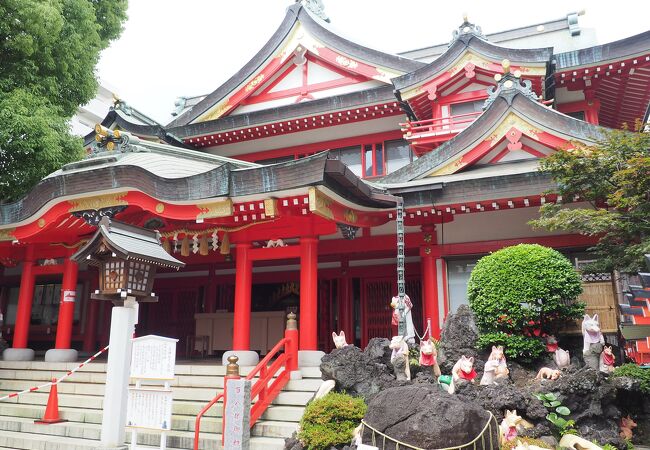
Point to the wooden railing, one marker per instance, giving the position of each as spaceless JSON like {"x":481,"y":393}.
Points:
{"x":449,"y":124}
{"x":277,"y":373}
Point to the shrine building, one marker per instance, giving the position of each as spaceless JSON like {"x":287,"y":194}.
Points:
{"x":279,"y":189}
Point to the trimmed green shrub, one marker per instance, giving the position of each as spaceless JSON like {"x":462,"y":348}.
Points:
{"x":636,"y":372}
{"x":520,"y":294}
{"x":330,"y":421}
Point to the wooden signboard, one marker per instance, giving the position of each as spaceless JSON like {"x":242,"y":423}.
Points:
{"x":149,"y":408}
{"x":153,"y":358}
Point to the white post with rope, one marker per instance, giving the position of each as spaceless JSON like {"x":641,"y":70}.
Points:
{"x":123,"y":320}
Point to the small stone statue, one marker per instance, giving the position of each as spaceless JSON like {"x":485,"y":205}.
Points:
{"x":551,"y":343}
{"x":462,"y":370}
{"x":562,"y":358}
{"x":546,"y":373}
{"x":627,"y":424}
{"x":593,"y":340}
{"x":511,"y":425}
{"x":399,"y":358}
{"x":607,"y":360}
{"x":495,"y":367}
{"x":339,"y":339}
{"x":408,"y":317}
{"x":429,"y":356}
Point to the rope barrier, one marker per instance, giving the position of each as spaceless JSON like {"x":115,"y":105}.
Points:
{"x":402,"y":445}
{"x":58,"y":380}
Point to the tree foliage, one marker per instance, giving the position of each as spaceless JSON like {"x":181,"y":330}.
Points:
{"x":521,"y":293}
{"x":613,"y":177}
{"x":48,"y":49}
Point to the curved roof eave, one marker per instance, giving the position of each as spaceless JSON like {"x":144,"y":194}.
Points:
{"x":621,"y":49}
{"x":291,"y":111}
{"x":157,"y":131}
{"x":529,"y":109}
{"x":295,"y":13}
{"x":480,"y":46}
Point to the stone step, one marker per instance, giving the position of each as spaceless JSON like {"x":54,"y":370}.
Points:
{"x":210,"y":422}
{"x":268,"y":428}
{"x":181,"y":391}
{"x":195,"y":368}
{"x":76,"y":433}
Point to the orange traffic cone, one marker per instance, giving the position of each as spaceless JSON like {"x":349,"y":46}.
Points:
{"x":52,"y":408}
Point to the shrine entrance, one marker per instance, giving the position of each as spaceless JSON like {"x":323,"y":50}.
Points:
{"x":172,"y":316}
{"x":376,"y":313}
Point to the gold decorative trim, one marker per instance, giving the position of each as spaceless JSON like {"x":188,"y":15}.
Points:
{"x":41,"y":223}
{"x":7,"y":234}
{"x":160,"y":208}
{"x":222,"y":208}
{"x":510,"y":121}
{"x":270,"y":207}
{"x":97,"y":202}
{"x":350,"y":216}
{"x":319,"y":203}
{"x":346,"y":62}
{"x":254,"y":82}
{"x":215,"y":113}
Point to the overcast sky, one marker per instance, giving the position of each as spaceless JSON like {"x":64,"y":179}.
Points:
{"x":172,"y":48}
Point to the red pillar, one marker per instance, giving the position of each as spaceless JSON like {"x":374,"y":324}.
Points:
{"x":428,"y":256}
{"x":241,"y":337}
{"x":90,"y":330}
{"x":25,"y":297}
{"x":66,"y":304}
{"x":346,"y":309}
{"x":308,"y":293}
{"x":430,"y":293}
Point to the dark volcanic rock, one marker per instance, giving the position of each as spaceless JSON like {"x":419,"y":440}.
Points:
{"x":459,"y":336}
{"x":426,"y":417}
{"x":360,"y":373}
{"x":498,"y":398}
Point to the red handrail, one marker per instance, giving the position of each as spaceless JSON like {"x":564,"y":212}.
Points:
{"x":284,"y":363}
{"x":438,"y":123}
{"x":197,"y":423}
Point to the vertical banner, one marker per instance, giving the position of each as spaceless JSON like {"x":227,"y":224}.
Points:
{"x":237,"y":415}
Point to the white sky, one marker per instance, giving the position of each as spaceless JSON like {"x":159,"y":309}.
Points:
{"x":171,"y":48}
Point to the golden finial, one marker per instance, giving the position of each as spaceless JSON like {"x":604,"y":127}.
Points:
{"x":506,"y":65}
{"x":116,"y":98}
{"x":232,"y":369}
{"x":465,"y":17}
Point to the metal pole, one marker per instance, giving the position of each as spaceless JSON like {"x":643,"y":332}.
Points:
{"x":401,"y":284}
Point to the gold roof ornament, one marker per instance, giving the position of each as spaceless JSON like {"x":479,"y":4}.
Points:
{"x":107,"y":140}
{"x":506,"y":65}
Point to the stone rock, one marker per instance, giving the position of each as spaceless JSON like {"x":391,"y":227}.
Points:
{"x":459,"y":337}
{"x":360,"y":373}
{"x":498,"y":398}
{"x":378,"y":350}
{"x":424,"y":416}
{"x":292,"y":443}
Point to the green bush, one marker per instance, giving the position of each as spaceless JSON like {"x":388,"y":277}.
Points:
{"x":330,"y":421}
{"x":521,"y":293}
{"x":636,"y":372}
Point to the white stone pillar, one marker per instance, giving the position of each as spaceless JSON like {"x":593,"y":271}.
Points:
{"x":123,"y":320}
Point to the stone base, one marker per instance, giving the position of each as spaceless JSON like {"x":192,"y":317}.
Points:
{"x":247,"y":358}
{"x":18,"y":354}
{"x":309,"y":358}
{"x":295,"y":375}
{"x":61,"y":355}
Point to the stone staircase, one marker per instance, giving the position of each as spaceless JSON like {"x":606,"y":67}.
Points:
{"x":81,"y":397}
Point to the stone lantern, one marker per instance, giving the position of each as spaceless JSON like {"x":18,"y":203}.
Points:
{"x":127,"y":257}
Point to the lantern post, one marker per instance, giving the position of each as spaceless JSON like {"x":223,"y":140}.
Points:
{"x":127,"y":257}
